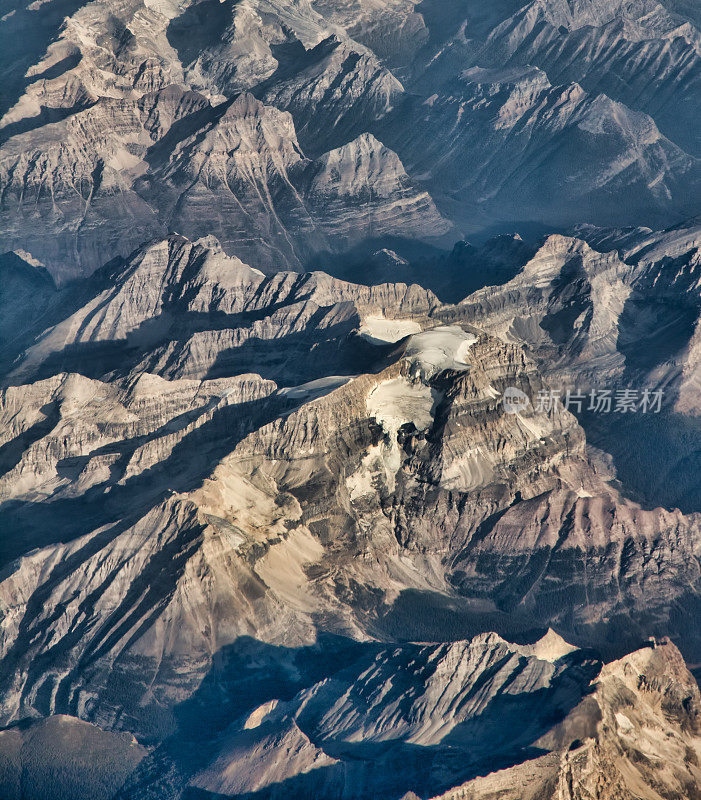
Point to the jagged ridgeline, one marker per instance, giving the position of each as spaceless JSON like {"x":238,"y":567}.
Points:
{"x":290,"y":130}
{"x":268,"y":527}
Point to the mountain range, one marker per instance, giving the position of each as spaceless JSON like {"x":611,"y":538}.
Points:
{"x":270,"y":273}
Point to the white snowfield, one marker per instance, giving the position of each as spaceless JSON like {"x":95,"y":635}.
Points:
{"x":396,"y":402}
{"x":379,"y":330}
{"x":392,"y":403}
{"x":446,"y":347}
{"x":314,"y":389}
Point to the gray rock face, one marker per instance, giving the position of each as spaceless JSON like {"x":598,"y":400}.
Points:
{"x":626,"y":307}
{"x":124,"y":171}
{"x":534,"y":95}
{"x":514,"y":132}
{"x":135,"y":123}
{"x":147,"y":138}
{"x":179,"y":308}
{"x":643,"y":54}
{"x":637,"y":703}
{"x":647,"y":699}
{"x":409,"y":716}
{"x":334,"y":92}
{"x":619,"y":315}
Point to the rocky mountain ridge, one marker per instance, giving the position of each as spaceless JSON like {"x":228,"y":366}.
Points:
{"x":128,"y":126}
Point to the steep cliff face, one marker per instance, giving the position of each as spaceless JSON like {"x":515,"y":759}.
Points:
{"x":619,"y":315}
{"x":130,"y":127}
{"x":125,"y":170}
{"x":665,"y":298}
{"x":514,"y":131}
{"x":185,"y":309}
{"x":335,"y":92}
{"x":643,"y":54}
{"x":439,"y":720}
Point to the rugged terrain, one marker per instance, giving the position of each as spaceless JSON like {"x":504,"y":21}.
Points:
{"x":635,"y":735}
{"x":295,"y":130}
{"x":270,"y":527}
{"x":207,"y":471}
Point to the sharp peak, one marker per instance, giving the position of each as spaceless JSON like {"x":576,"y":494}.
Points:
{"x":244,"y":104}
{"x":331,"y":42}
{"x":365,"y":141}
{"x":176,"y":244}
{"x":173,"y":238}
{"x":550,"y":647}
{"x":562,"y":243}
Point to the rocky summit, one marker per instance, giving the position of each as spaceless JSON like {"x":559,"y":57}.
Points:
{"x":350,"y":400}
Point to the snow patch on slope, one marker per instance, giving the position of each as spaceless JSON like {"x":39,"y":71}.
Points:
{"x":392,"y":403}
{"x":433,"y":351}
{"x":312,"y":390}
{"x":379,"y":330}
{"x":396,"y":402}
